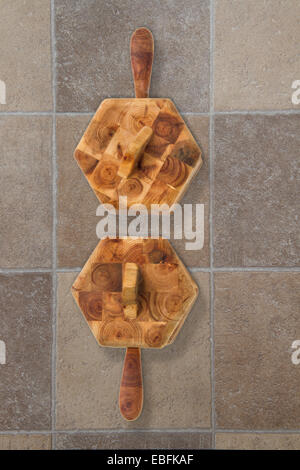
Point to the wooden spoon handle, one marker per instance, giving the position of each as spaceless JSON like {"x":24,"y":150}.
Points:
{"x":141,"y":51}
{"x":131,"y":390}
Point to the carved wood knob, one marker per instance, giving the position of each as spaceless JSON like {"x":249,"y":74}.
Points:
{"x":131,"y":278}
{"x":134,"y":151}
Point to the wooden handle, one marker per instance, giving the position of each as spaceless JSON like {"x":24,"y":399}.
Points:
{"x":131,"y":390}
{"x":141,"y":50}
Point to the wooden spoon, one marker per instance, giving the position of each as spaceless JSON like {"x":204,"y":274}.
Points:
{"x":131,"y":389}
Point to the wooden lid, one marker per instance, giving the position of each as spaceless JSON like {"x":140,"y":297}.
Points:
{"x":140,"y":148}
{"x":134,"y":293}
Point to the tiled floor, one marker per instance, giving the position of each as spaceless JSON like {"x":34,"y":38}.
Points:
{"x":228,"y":380}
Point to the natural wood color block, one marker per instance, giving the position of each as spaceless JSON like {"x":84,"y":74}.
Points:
{"x":130,"y":290}
{"x":157,"y":304}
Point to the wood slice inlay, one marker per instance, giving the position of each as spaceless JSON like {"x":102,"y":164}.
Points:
{"x":85,"y":161}
{"x":112,"y":305}
{"x":132,"y":188}
{"x":154,"y":336}
{"x":105,"y":175}
{"x":119,"y":333}
{"x":166,"y":305}
{"x":167,"y":127}
{"x":108,"y":277}
{"x":91,"y":304}
{"x":173,"y":172}
{"x":187,"y":152}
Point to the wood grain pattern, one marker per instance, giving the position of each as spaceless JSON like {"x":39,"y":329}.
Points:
{"x":130,"y":286}
{"x":139,"y":148}
{"x":131,"y":389}
{"x":141,"y":52}
{"x":136,"y":292}
{"x":165,"y":294}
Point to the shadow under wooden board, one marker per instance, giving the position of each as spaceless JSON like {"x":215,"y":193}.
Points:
{"x":136,"y":293}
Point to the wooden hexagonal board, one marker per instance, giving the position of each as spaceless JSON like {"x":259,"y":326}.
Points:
{"x":161,"y":164}
{"x":166,"y":293}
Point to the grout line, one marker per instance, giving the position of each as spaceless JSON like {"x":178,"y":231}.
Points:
{"x":71,"y":114}
{"x":192,"y":269}
{"x":124,"y":430}
{"x":25,"y":270}
{"x":154,"y":430}
{"x":271,"y":112}
{"x":26,"y":113}
{"x":197,"y":270}
{"x":54,"y":193}
{"x":68,"y":270}
{"x":287,"y":269}
{"x":211,"y":196}
{"x":259,"y":431}
{"x":23,"y":431}
{"x":191,"y":113}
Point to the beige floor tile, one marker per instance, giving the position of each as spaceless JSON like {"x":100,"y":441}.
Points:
{"x":26,"y":202}
{"x":25,"y":442}
{"x":134,"y":440}
{"x":176,"y":379}
{"x":26,"y":329}
{"x":25,"y":61}
{"x":257,"y":441}
{"x":256,"y":193}
{"x":76,"y":202}
{"x":256,"y":322}
{"x":255,"y":58}
{"x":197,"y":193}
{"x":93,"y":51}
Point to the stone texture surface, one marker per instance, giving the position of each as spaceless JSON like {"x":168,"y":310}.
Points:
{"x":76,"y":204}
{"x":93,"y":62}
{"x":256,"y":322}
{"x":256,"y":194}
{"x":26,"y":329}
{"x":255,"y":53}
{"x":25,"y":61}
{"x":257,"y":441}
{"x":176,"y":394}
{"x":25,"y":442}
{"x":26,"y":202}
{"x":197,"y":193}
{"x":134,"y":440}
